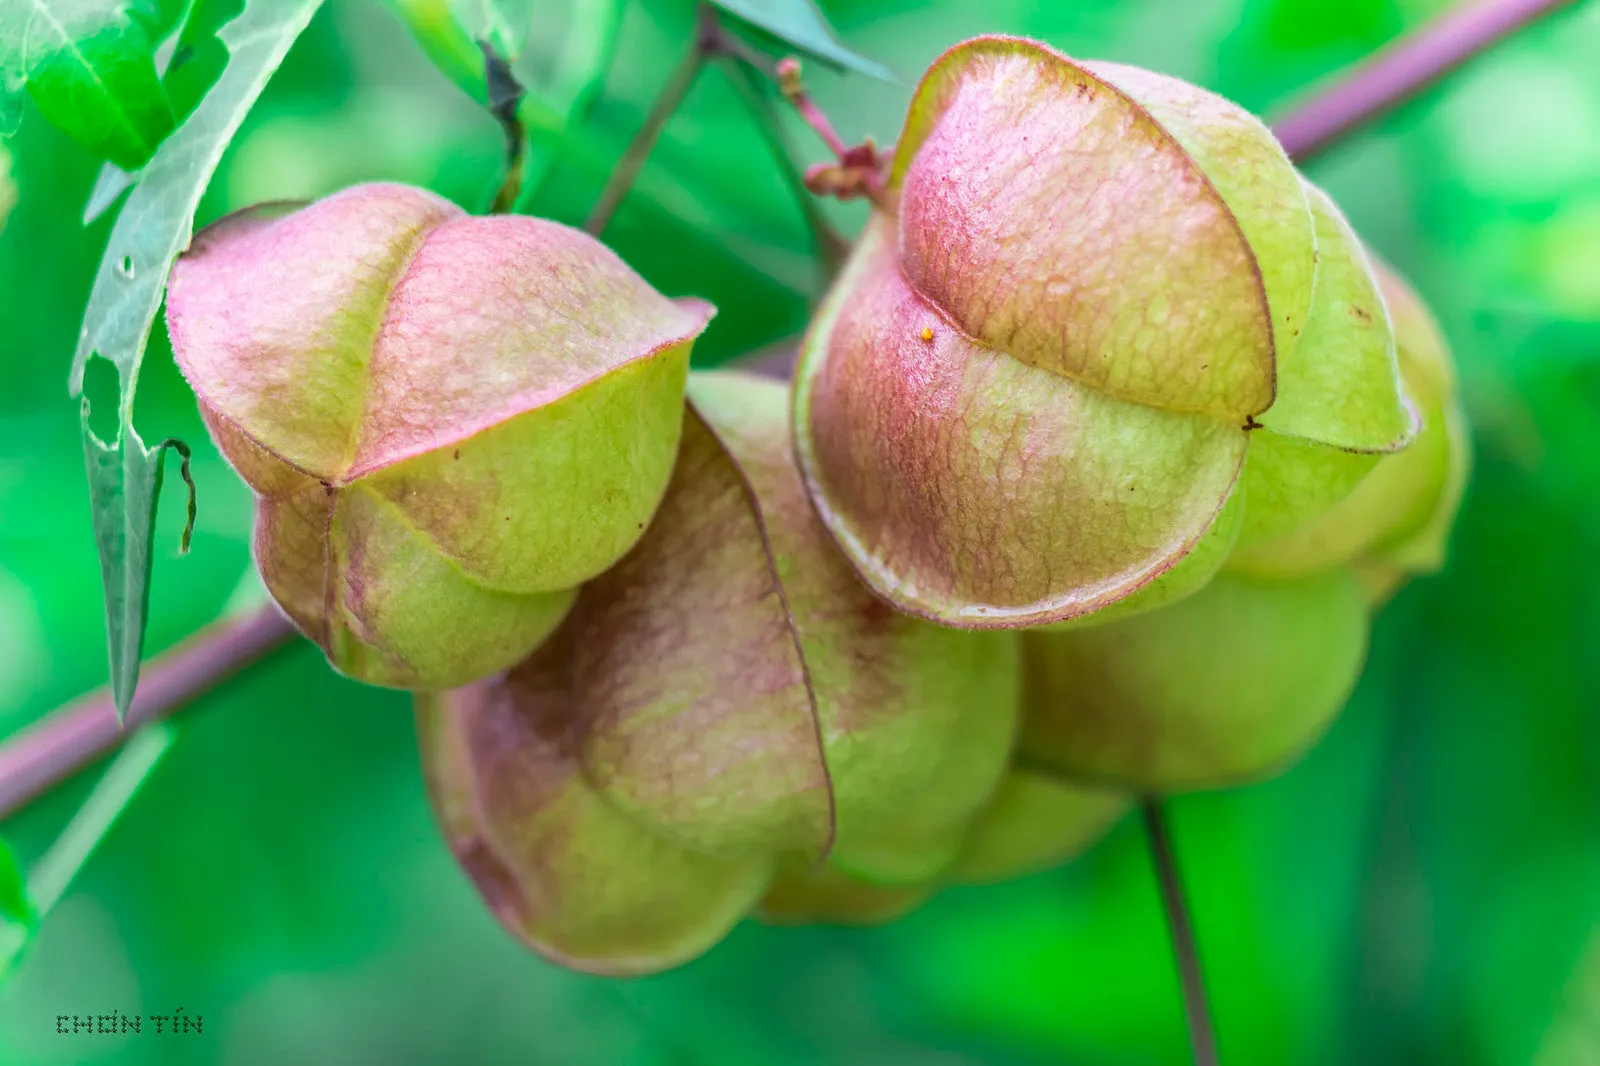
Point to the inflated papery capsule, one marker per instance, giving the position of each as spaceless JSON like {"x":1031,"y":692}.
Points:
{"x":1032,"y":390}
{"x":1225,"y":686}
{"x":808,"y":895}
{"x":1311,"y":507}
{"x":449,"y":422}
{"x":1430,"y":477}
{"x":558,"y":866}
{"x":728,"y":698}
{"x":1232,"y":683}
{"x":916,"y":720}
{"x":1035,"y":820}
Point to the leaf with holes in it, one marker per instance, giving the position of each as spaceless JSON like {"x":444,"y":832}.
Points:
{"x":801,"y":24}
{"x":89,"y":66}
{"x":155,"y":225}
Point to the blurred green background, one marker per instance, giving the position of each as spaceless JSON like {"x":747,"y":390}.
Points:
{"x":1423,"y":888}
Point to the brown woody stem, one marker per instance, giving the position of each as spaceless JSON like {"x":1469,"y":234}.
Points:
{"x":70,"y":737}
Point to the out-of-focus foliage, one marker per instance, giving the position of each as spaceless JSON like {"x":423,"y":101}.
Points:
{"x":1424,"y":888}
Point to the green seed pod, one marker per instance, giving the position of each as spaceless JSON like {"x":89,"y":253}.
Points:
{"x":733,"y":697}
{"x":916,"y":720}
{"x":449,"y":422}
{"x":1232,"y":683}
{"x":1389,"y":515}
{"x":828,"y":896}
{"x":1035,"y":821}
{"x":1436,"y":468}
{"x":1032,"y":390}
{"x":562,"y":870}
{"x":1223,"y":687}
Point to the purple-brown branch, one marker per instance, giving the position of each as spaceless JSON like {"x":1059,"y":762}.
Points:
{"x":72,"y":736}
{"x":1391,"y":77}
{"x":75,"y":734}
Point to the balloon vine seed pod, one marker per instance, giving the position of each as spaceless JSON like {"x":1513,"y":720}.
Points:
{"x":725,"y":702}
{"x":408,"y":390}
{"x":1032,"y":391}
{"x":1232,"y":683}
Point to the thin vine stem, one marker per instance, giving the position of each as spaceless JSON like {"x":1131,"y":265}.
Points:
{"x":65,"y":740}
{"x":747,"y":76}
{"x":708,"y":42}
{"x":1185,"y":948}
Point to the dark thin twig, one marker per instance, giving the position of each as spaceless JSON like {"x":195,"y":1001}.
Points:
{"x":708,"y":41}
{"x":1202,"y":1039}
{"x":1390,"y":77}
{"x":67,"y":739}
{"x":505,"y":101}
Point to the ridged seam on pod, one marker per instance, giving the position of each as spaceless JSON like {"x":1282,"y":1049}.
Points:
{"x":731,"y":693}
{"x":408,"y":390}
{"x":562,"y":869}
{"x":1314,"y":507}
{"x":1343,"y":406}
{"x":916,"y":719}
{"x":1418,"y":540}
{"x":1027,"y":396}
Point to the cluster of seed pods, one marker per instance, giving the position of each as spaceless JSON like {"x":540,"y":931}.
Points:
{"x":1100,"y":453}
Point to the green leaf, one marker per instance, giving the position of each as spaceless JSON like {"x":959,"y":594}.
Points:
{"x":801,"y":23}
{"x":198,"y":54}
{"x":124,"y":487}
{"x":446,"y":43}
{"x":155,"y":225}
{"x":196,"y":59}
{"x":111,"y":184}
{"x":55,"y":872}
{"x":460,"y":38}
{"x":90,"y":69}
